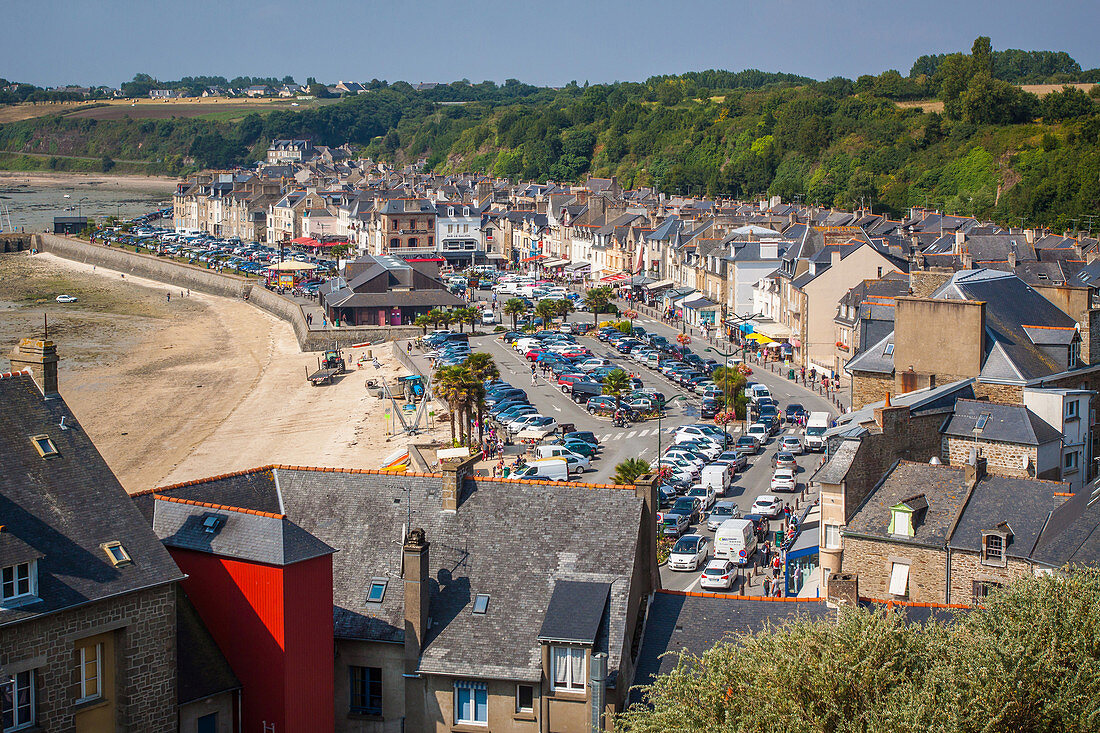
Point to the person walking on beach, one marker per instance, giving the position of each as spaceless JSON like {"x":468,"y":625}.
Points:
{"x":169,"y":297}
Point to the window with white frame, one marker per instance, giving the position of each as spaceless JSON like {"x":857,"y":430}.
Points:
{"x":18,"y":581}
{"x":899,"y":579}
{"x":91,"y":672}
{"x":567,"y":667}
{"x":1074,"y":353}
{"x":1072,"y":409}
{"x":17,"y":702}
{"x":1070,"y":461}
{"x":471,"y":702}
{"x":993,"y":549}
{"x":525,"y":698}
{"x":832,"y":536}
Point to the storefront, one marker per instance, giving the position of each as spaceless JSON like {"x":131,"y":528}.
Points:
{"x":577,"y":270}
{"x":803,"y":557}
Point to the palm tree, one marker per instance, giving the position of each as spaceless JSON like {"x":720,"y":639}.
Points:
{"x":627,"y":472}
{"x":563,"y":308}
{"x":471,"y":392}
{"x":732,"y":383}
{"x":598,"y":301}
{"x":423,"y":320}
{"x":449,"y":386}
{"x":515,"y":307}
{"x":483,"y":368}
{"x":616,"y":384}
{"x":546,"y":310}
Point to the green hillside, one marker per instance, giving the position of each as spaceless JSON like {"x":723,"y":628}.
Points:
{"x":996,"y":151}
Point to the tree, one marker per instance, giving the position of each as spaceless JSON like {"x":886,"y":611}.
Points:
{"x":616,"y":384}
{"x":463,"y":316}
{"x":1027,"y":661}
{"x":449,"y":387}
{"x":563,"y":307}
{"x":546,"y":310}
{"x":732,"y":383}
{"x":598,"y":301}
{"x":482,"y":368}
{"x":627,"y":472}
{"x":423,"y":321}
{"x":981,"y":56}
{"x":515,"y":307}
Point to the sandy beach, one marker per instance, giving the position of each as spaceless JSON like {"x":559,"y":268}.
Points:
{"x":39,"y":179}
{"x":195,"y":386}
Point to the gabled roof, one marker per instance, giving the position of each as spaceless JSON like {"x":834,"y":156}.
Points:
{"x":61,"y":510}
{"x":1025,"y":504}
{"x":1003,"y":423}
{"x":944,"y":488}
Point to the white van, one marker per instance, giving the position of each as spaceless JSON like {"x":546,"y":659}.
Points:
{"x":717,"y":477}
{"x":816,"y":425}
{"x":756,"y":391}
{"x":488,"y":318}
{"x":546,"y":469}
{"x":735,"y":540}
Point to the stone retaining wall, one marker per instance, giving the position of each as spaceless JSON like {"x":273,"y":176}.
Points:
{"x":15,"y":241}
{"x":181,"y":275}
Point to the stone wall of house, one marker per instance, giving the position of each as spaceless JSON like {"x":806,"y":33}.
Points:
{"x":1012,"y":394}
{"x":1003,"y":459}
{"x":144,"y":629}
{"x":872,"y":561}
{"x":967,"y":567}
{"x":868,"y":389}
{"x":922,"y":283}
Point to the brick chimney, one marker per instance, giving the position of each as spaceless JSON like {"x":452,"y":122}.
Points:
{"x":38,"y":356}
{"x":844,"y":590}
{"x":645,"y":488}
{"x":455,"y":471}
{"x":974,"y":472}
{"x":417,"y":595}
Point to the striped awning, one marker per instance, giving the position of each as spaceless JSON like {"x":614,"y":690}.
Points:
{"x":614,"y":277}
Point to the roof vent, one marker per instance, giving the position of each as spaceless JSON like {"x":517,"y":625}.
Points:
{"x":212,"y":524}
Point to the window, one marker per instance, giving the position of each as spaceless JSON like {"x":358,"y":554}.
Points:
{"x":412,"y":242}
{"x":982,"y":589}
{"x":901,"y":522}
{"x":207,"y":724}
{"x":1072,"y":409}
{"x":17,"y":702}
{"x":525,"y":699}
{"x":366,"y":690}
{"x":567,"y":667}
{"x":377,"y":590}
{"x":17,"y":581}
{"x":117,"y":553}
{"x":91,"y":667}
{"x":471,"y":703}
{"x":450,"y":228}
{"x":1070,"y":461}
{"x":481,"y":603}
{"x":994,"y":550}
{"x":832,"y":536}
{"x":889,"y":350}
{"x":44,"y":446}
{"x":899,"y":579}
{"x":395,"y":243}
{"x":1074,"y":353}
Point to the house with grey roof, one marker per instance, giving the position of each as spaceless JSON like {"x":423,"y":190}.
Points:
{"x":1012,"y":439}
{"x":94,"y":633}
{"x":385,"y":291}
{"x":447,"y":610}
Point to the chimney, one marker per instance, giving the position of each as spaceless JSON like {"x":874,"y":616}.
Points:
{"x":38,"y":356}
{"x":844,"y":590}
{"x":1012,"y":256}
{"x":455,"y":471}
{"x":960,"y":240}
{"x":974,"y":471}
{"x":1029,"y":236}
{"x":645,"y":488}
{"x":417,"y":593}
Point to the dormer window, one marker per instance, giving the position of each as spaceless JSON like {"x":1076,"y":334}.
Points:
{"x":1074,"y":353}
{"x":906,"y":515}
{"x":994,"y":545}
{"x":18,"y":582}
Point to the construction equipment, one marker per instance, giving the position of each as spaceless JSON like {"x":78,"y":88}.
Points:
{"x":413,"y":387}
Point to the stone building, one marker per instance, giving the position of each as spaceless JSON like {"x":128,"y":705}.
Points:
{"x":1012,"y":439}
{"x":87,"y":594}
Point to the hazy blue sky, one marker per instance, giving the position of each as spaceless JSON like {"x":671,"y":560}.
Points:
{"x":50,"y":42}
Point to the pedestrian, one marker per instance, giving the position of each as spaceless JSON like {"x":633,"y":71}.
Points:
{"x":767,"y":586}
{"x":169,"y":297}
{"x":777,"y":565}
{"x":188,"y":292}
{"x":409,"y":347}
{"x":765,"y":550}
{"x":787,"y":511}
{"x":534,"y":377}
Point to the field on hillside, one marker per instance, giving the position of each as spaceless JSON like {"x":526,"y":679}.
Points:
{"x":1044,"y":89}
{"x":214,"y":108}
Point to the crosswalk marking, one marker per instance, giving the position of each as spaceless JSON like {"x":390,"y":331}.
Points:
{"x":602,"y":438}
{"x":618,"y":436}
{"x":631,"y":434}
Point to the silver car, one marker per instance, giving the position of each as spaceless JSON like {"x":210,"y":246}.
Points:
{"x":722,"y":511}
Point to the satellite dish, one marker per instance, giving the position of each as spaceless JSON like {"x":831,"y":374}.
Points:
{"x":1025,"y":461}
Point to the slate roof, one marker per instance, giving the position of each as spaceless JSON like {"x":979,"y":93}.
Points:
{"x":487,"y":546}
{"x":1072,"y":536}
{"x":575,"y":612}
{"x":63,"y":509}
{"x":688,"y":623}
{"x":874,"y":358}
{"x":944,"y":487}
{"x":203,"y":669}
{"x":1005,"y":424}
{"x":1024,"y":504}
{"x":836,"y":469}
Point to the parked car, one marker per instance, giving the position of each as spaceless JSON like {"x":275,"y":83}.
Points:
{"x":767,"y":505}
{"x":710,"y":409}
{"x":673,"y":524}
{"x":689,"y":507}
{"x":747,"y":445}
{"x":734,"y":459}
{"x":759,"y":431}
{"x":705,"y":494}
{"x":718,"y":575}
{"x":689,"y":552}
{"x":66,"y":298}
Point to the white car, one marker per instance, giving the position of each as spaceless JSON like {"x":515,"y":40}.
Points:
{"x":767,"y":505}
{"x":66,"y":299}
{"x":684,"y":457}
{"x":718,"y":574}
{"x":689,"y":552}
{"x":783,"y":480}
{"x":706,"y":493}
{"x":759,"y":431}
{"x":722,"y":511}
{"x":589,"y":365}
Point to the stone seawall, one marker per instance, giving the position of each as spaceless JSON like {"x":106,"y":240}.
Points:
{"x":182,"y":275}
{"x":16,"y":241}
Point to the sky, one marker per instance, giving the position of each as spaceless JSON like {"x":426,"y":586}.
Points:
{"x":548,"y":42}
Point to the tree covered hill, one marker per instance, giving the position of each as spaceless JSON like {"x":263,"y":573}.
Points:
{"x":995,"y":151}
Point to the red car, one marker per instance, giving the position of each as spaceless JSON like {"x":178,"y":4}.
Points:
{"x":577,"y":353}
{"x":533,"y":354}
{"x":565,"y":381}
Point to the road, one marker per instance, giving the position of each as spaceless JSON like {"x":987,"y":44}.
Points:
{"x":640,"y":440}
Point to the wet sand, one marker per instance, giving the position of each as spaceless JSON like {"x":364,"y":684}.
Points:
{"x":197,"y":386}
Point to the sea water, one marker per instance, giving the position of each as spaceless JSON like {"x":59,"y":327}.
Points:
{"x":31,"y":204}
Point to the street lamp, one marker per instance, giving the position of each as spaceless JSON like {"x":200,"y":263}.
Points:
{"x":79,"y":208}
{"x":726,"y":367}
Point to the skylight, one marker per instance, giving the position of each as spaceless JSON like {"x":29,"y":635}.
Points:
{"x":889,"y":350}
{"x":481,"y":603}
{"x":211,"y":524}
{"x":377,"y":590}
{"x":44,"y":446}
{"x":983,"y":419}
{"x":116,"y":553}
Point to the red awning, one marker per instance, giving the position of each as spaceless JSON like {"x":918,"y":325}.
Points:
{"x":617,"y":277}
{"x":307,"y":241}
{"x":536,"y":258}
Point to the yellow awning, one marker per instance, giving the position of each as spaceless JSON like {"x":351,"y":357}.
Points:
{"x":760,"y":338}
